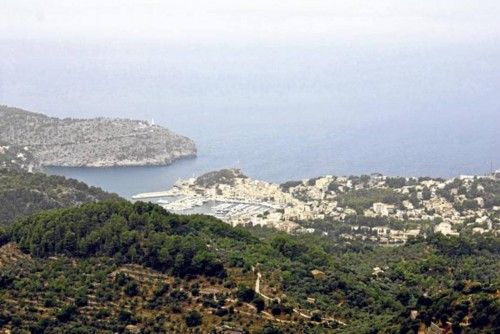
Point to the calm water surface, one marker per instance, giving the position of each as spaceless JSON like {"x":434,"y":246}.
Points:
{"x":277,"y":112}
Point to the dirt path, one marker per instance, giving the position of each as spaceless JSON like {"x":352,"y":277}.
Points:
{"x":303,"y":315}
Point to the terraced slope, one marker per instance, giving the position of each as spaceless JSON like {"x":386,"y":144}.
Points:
{"x":118,"y":267}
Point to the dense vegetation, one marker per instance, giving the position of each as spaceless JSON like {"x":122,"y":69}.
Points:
{"x":223,"y":176}
{"x":23,"y":193}
{"x":131,"y":233}
{"x":200,"y":277}
{"x":364,"y":198}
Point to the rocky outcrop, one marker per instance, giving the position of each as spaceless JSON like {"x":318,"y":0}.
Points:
{"x":224,"y":176}
{"x":98,"y":142}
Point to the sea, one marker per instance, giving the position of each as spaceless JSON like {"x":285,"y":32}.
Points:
{"x":277,"y":112}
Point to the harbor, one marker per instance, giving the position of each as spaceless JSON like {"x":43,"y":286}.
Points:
{"x":225,"y":209}
{"x":230,"y":209}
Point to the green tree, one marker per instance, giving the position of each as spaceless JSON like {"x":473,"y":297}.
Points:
{"x":259,"y":304}
{"x":193,"y":319}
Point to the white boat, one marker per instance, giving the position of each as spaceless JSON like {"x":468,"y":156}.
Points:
{"x":163,"y":201}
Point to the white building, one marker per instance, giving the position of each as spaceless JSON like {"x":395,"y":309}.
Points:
{"x":382,"y":209}
{"x":478,"y":230}
{"x":445,"y":229}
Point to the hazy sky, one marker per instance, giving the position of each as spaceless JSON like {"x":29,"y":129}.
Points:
{"x":407,"y":87}
{"x":259,"y":21}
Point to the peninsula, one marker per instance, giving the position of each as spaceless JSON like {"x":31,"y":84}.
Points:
{"x":98,"y":142}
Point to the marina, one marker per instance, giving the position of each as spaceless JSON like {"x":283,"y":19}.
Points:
{"x":225,"y":209}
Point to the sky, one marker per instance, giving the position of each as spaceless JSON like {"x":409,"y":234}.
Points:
{"x":255,"y":21}
{"x":296,"y":50}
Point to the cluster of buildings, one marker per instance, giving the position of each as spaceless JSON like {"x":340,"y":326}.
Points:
{"x":287,"y":207}
{"x":380,"y":234}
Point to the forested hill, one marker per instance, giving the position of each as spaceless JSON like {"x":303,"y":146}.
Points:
{"x":115,"y":266}
{"x":23,"y":193}
{"x":142,"y":233}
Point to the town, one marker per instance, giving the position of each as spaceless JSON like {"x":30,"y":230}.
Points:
{"x":386,"y":210}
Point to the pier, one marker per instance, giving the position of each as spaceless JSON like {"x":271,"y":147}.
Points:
{"x":152,"y":195}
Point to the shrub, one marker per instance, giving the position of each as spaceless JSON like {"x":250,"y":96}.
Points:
{"x":193,"y":319}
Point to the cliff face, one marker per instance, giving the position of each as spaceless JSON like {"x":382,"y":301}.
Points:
{"x":99,"y":142}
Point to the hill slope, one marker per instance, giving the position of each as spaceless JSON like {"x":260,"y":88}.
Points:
{"x":23,"y":193}
{"x":95,"y":142}
{"x":116,"y":267}
{"x":17,"y":158}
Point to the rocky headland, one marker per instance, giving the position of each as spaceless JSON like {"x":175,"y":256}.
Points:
{"x":98,"y":142}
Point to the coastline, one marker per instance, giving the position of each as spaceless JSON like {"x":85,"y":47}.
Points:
{"x":393,"y":208}
{"x":130,"y":164}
